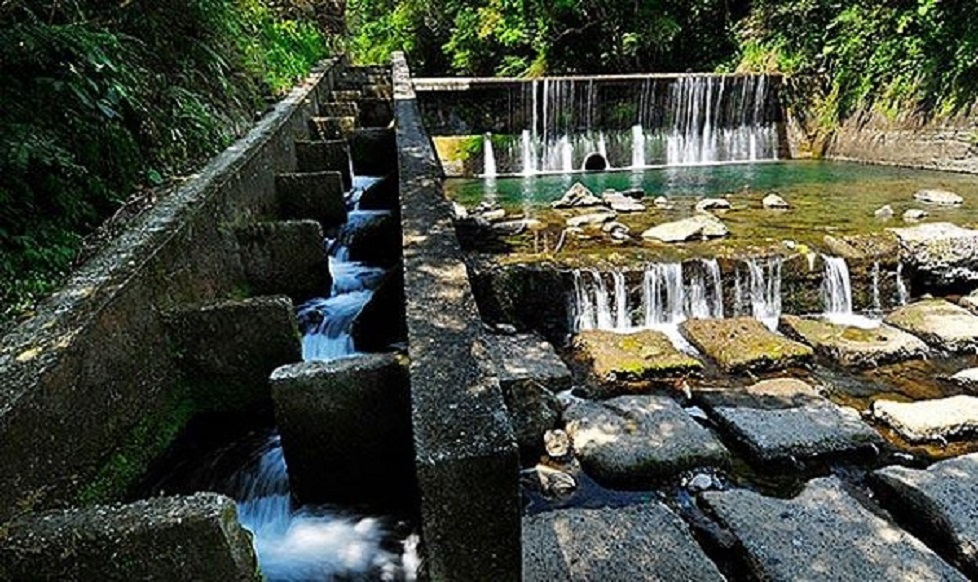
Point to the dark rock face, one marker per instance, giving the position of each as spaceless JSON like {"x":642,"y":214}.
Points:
{"x":346,"y":429}
{"x":285,"y":258}
{"x":166,"y":538}
{"x":381,"y":323}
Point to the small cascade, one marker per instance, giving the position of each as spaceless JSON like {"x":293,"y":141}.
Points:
{"x":593,"y":308}
{"x":638,"y":147}
{"x":903,"y":294}
{"x":704,"y":299}
{"x":663,"y":295}
{"x":762,"y":290}
{"x":622,"y":319}
{"x":837,"y":295}
{"x":489,"y":157}
{"x":877,"y":303}
{"x":528,"y":155}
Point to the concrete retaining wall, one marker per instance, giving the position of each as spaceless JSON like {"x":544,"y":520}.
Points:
{"x":466,"y":456}
{"x":93,"y":374}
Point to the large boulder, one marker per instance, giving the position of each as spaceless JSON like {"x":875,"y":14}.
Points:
{"x":939,"y":420}
{"x":612,"y":358}
{"x":854,"y":346}
{"x":632,"y":440}
{"x":165,"y":538}
{"x":944,"y":325}
{"x":743,"y":344}
{"x":641,"y":542}
{"x":823,"y":534}
{"x":940,"y":253}
{"x":699,"y":227}
{"x":578,"y":196}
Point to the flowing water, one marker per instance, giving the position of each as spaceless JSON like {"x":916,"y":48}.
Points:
{"x":489,"y":158}
{"x":837,"y":295}
{"x":758,"y":290}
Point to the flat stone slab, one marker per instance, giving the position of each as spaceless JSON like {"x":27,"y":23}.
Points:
{"x":942,"y":252}
{"x":939,"y":420}
{"x":634,"y":439}
{"x":852,"y":346}
{"x":641,"y":542}
{"x":822,"y":534}
{"x":164,"y":538}
{"x":699,"y":227}
{"x":970,"y":302}
{"x":784,"y":418}
{"x":939,"y":503}
{"x":947,"y":326}
{"x":630,"y":357}
{"x":743,"y":344}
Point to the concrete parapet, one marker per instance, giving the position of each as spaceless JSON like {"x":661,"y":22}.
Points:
{"x":465,"y":451}
{"x":167,"y":538}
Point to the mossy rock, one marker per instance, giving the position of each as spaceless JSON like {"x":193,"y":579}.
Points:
{"x":853,"y":346}
{"x":643,"y":356}
{"x":947,"y":326}
{"x":743,"y":344}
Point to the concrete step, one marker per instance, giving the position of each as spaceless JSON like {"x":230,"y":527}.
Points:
{"x":325,"y":156}
{"x":331,"y":128}
{"x":339,"y":109}
{"x":317,"y":196}
{"x":285,"y":257}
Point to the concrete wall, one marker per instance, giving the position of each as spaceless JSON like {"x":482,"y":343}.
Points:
{"x":93,"y":373}
{"x":465,"y":451}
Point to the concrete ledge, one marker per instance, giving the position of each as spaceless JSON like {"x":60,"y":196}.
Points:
{"x":167,"y":538}
{"x":312,"y":195}
{"x":285,"y":257}
{"x":465,"y":451}
{"x":374,"y":151}
{"x":325,"y":128}
{"x":93,"y":364}
{"x":320,"y":156}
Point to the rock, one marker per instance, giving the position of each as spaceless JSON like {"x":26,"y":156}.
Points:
{"x":940,"y":253}
{"x":494,"y":215}
{"x":346,"y":428}
{"x":938,"y":420}
{"x":382,"y":194}
{"x":699,"y":483}
{"x":783,"y":419}
{"x":593,"y":219}
{"x":612,"y":227}
{"x":460,"y":212}
{"x":970,"y":302}
{"x":372,"y":237}
{"x":612,"y":357}
{"x":744,"y":345}
{"x":939,"y":503}
{"x":634,"y":193}
{"x":381,"y":324}
{"x":164,"y":538}
{"x":516,"y":227}
{"x":699,"y":227}
{"x":640,"y":542}
{"x":373,"y":152}
{"x":578,"y":196}
{"x":662,"y":202}
{"x":946,"y":326}
{"x":938,"y":197}
{"x":621,"y":203}
{"x":853,"y":346}
{"x":708,"y":204}
{"x":554,"y":483}
{"x":631,"y":440}
{"x":967,"y":379}
{"x":823,"y":534}
{"x":915,"y":214}
{"x":884,"y":212}
{"x":557,"y":443}
{"x":773,"y":201}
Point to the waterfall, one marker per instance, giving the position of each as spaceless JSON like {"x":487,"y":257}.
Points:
{"x":638,"y":147}
{"x":663,"y":294}
{"x":764,"y":290}
{"x":704,"y":299}
{"x":489,"y":157}
{"x":837,"y":295}
{"x":622,"y":320}
{"x":877,"y":304}
{"x":903,"y":295}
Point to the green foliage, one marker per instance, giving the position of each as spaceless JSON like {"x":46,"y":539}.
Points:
{"x":101,"y":98}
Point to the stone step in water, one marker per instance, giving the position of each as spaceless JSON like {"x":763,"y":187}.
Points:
{"x":783,"y":419}
{"x":325,"y":155}
{"x":823,"y":534}
{"x":937,"y":420}
{"x":327,"y":128}
{"x":853,"y":346}
{"x":166,"y":538}
{"x":642,"y":542}
{"x":939,"y":504}
{"x":632,"y":440}
{"x":285,"y":257}
{"x":946,"y":326}
{"x":743,"y":344}
{"x":312,"y":195}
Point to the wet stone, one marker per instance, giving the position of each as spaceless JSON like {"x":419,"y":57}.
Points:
{"x":970,"y":302}
{"x":944,"y":325}
{"x":938,"y":197}
{"x":578,"y":196}
{"x":939,"y":503}
{"x":699,"y":227}
{"x":632,"y":440}
{"x":940,"y":253}
{"x":708,"y":204}
{"x":641,"y":542}
{"x":823,"y":534}
{"x":592,"y":219}
{"x":611,"y":357}
{"x":853,"y":346}
{"x":937,"y":420}
{"x":744,"y":345}
{"x":967,"y":379}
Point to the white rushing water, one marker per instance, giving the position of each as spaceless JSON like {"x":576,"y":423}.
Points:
{"x":761,"y":292}
{"x":488,"y":157}
{"x":903,"y":295}
{"x":837,"y":295}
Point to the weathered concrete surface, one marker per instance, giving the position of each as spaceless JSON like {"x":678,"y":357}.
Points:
{"x":777,"y":420}
{"x":339,"y":108}
{"x":530,"y":375}
{"x":228,"y":349}
{"x":944,"y":325}
{"x":939,"y":504}
{"x":822,"y":534}
{"x":930,"y":420}
{"x":166,"y":538}
{"x":611,"y":358}
{"x":328,"y":128}
{"x":642,"y":542}
{"x":380,"y":324}
{"x":92,"y":370}
{"x":744,"y":345}
{"x":314,"y":195}
{"x":940,"y":253}
{"x":346,"y":429}
{"x":322,"y":156}
{"x":632,"y":440}
{"x":374,"y":152}
{"x":286,"y":257}
{"x":465,"y":452}
{"x":853,"y":346}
